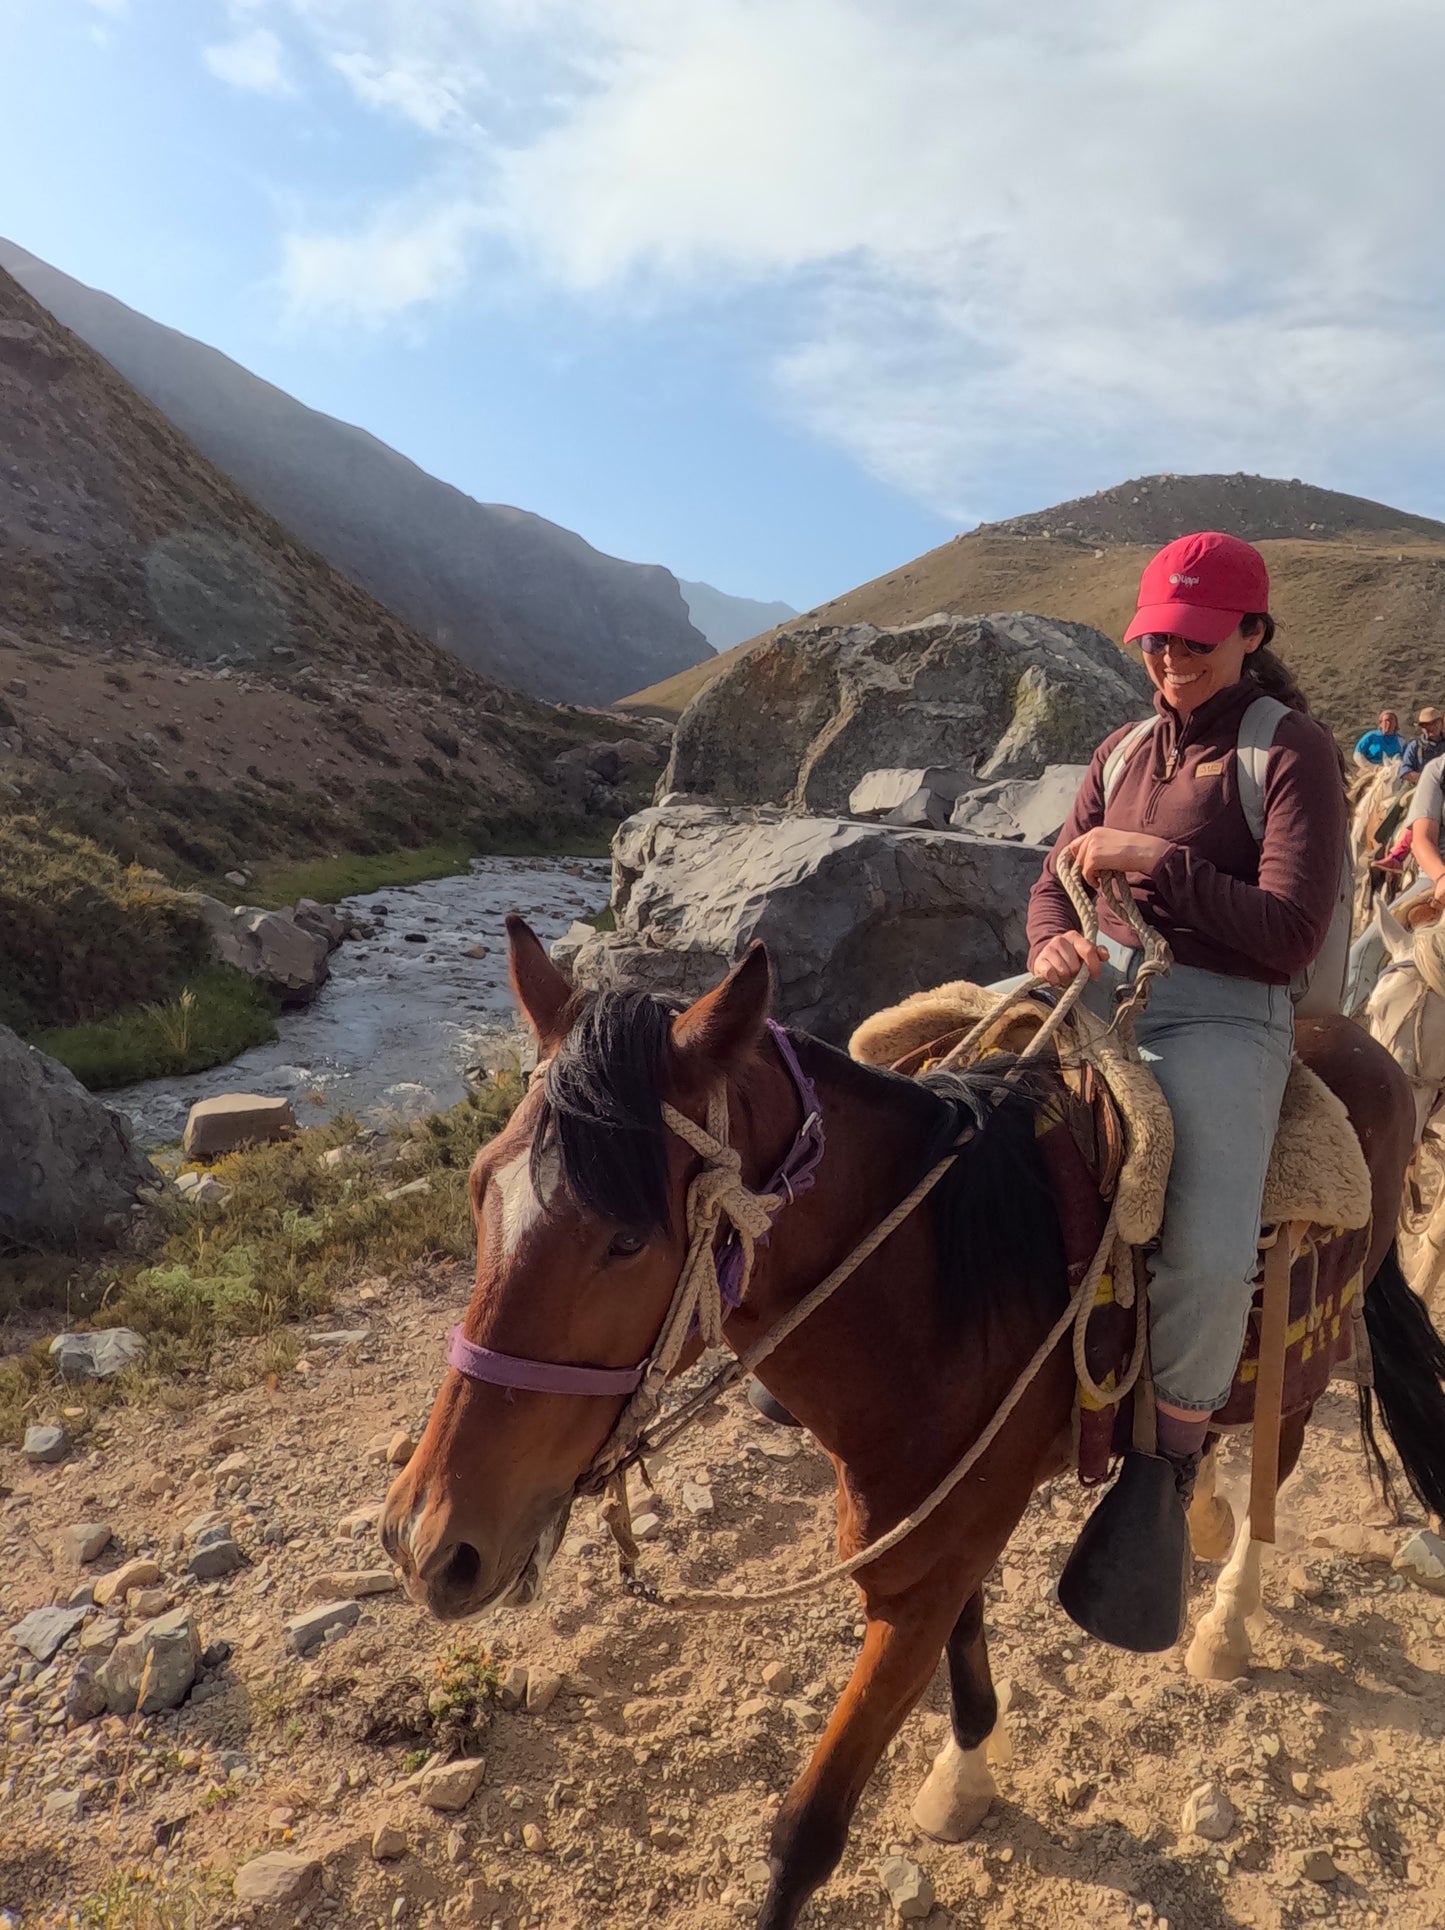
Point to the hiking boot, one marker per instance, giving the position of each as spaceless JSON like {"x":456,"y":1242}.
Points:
{"x":770,"y":1409}
{"x":1127,"y":1578}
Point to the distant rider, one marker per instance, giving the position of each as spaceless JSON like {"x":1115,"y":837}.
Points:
{"x":1376,"y":745}
{"x":1429,"y":745}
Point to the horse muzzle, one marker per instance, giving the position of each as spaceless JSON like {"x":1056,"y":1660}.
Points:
{"x":455,"y":1574}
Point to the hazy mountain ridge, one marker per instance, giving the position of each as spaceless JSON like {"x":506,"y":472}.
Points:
{"x":508,"y":593}
{"x":726,"y":620}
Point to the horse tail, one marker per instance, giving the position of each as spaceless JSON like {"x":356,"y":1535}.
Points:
{"x":1409,"y":1365}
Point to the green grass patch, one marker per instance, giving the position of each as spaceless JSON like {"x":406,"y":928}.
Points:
{"x":292,"y":1230}
{"x":352,"y":873}
{"x":355,"y":872}
{"x":219,"y":1014}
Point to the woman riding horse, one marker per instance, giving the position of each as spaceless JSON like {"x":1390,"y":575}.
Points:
{"x":1244,"y":916}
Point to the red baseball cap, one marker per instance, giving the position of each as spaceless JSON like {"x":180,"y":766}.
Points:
{"x":1199,"y":587}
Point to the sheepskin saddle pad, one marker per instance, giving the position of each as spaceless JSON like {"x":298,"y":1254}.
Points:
{"x":1317,"y":1171}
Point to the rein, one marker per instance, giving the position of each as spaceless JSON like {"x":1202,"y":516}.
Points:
{"x":705,"y":1289}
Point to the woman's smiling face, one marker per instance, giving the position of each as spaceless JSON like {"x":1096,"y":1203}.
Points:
{"x":1188,"y":680}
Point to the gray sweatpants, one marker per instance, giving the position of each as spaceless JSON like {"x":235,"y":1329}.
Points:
{"x":1220,"y":1049}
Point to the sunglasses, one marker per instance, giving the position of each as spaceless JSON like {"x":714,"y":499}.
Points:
{"x":1154,"y":645}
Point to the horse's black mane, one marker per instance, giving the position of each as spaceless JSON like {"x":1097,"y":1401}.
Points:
{"x":994,"y":1211}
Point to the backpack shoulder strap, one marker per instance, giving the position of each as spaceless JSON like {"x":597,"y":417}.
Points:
{"x":1125,"y":748}
{"x":1256,"y":733}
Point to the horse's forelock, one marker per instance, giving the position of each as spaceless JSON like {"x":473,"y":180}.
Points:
{"x":602,"y":1110}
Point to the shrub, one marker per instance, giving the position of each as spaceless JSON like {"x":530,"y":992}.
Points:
{"x":82,"y":934}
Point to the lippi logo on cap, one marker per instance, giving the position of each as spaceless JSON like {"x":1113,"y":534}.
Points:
{"x":1189,"y":582}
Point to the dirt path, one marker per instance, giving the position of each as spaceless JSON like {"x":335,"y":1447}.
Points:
{"x":644,"y":1792}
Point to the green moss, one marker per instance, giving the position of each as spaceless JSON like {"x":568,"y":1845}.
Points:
{"x":217,"y":1015}
{"x":351,"y":873}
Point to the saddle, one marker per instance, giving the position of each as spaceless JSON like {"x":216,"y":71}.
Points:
{"x":1118,"y":1147}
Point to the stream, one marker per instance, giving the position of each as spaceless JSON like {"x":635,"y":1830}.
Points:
{"x":404,"y":1013}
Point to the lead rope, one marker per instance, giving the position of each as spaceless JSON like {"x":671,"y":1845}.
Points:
{"x":718,"y":1190}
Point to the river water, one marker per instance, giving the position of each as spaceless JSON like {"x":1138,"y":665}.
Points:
{"x":390,"y":1034}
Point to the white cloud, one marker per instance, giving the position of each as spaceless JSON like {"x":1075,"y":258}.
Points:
{"x":254,"y":61}
{"x":1100,"y":239}
{"x":398,"y":261}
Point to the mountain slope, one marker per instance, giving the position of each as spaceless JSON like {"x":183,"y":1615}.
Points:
{"x":1358,"y":587}
{"x":510,"y":594}
{"x":725,"y":620}
{"x":185,"y":683}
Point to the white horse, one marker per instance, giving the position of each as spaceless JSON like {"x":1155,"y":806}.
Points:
{"x":1406,"y":1013}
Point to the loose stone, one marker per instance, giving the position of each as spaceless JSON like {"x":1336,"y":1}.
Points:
{"x":277,"y":1877}
{"x":46,"y":1445}
{"x":83,"y":1542}
{"x":1208,"y":1812}
{"x":304,"y":1631}
{"x":388,"y":1842}
{"x":451,"y":1785}
{"x":908,"y":1888}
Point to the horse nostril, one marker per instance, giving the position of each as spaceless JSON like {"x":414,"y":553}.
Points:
{"x":464,"y":1566}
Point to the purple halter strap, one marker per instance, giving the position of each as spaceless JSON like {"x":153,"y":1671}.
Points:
{"x":793,"y":1177}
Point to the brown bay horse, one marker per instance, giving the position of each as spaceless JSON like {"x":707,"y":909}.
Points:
{"x":579,"y":1208}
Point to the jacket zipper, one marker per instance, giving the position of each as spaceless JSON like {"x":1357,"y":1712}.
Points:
{"x":1171,"y":766}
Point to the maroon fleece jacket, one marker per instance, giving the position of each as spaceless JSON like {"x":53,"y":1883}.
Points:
{"x":1224,"y":903}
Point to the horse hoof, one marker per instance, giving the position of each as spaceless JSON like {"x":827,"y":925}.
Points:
{"x":956,"y":1797}
{"x":1211,"y":1528}
{"x":1210,"y":1658}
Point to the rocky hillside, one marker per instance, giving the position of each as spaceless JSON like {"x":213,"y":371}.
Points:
{"x":184,"y":682}
{"x":511,"y":595}
{"x":1359,"y":588}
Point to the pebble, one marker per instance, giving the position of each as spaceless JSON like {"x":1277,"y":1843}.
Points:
{"x":64,"y":1806}
{"x":697,"y":1499}
{"x":46,"y":1445}
{"x":804,"y":1714}
{"x":83,"y":1542}
{"x":280,"y":1876}
{"x":388,"y":1842}
{"x":512,"y":1689}
{"x":1316,"y":1864}
{"x":534,"y":1839}
{"x":120,"y":1581}
{"x":44,"y":1631}
{"x":451,"y":1785}
{"x":1208,"y":1812}
{"x":543,"y":1688}
{"x":778,"y":1678}
{"x":304,"y":1631}
{"x":1422,"y":1561}
{"x":644,"y":1527}
{"x":150,"y":1602}
{"x":99,"y":1638}
{"x":908,"y":1888}
{"x":400,"y":1448}
{"x":353,"y":1582}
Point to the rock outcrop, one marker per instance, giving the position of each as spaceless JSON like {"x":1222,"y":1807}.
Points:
{"x":1030,"y":808}
{"x":1000,"y":696}
{"x":69,"y":1171}
{"x":289,"y":951}
{"x":854,"y":915}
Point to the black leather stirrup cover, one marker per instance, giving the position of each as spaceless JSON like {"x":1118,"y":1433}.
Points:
{"x":770,"y":1409}
{"x":1127,"y":1578}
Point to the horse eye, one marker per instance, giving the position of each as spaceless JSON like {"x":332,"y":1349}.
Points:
{"x":625,"y":1245}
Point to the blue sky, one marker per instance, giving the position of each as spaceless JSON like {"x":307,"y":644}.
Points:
{"x":778,"y":294}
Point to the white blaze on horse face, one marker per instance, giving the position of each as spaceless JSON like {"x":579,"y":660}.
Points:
{"x":523,"y":1206}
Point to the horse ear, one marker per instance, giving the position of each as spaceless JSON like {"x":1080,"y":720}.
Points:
{"x":541,"y":990}
{"x":723,"y":1023}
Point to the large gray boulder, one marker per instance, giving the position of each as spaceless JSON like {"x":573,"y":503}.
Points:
{"x":288,"y":951}
{"x":68,"y":1170}
{"x":799,"y":720}
{"x":855,"y":916}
